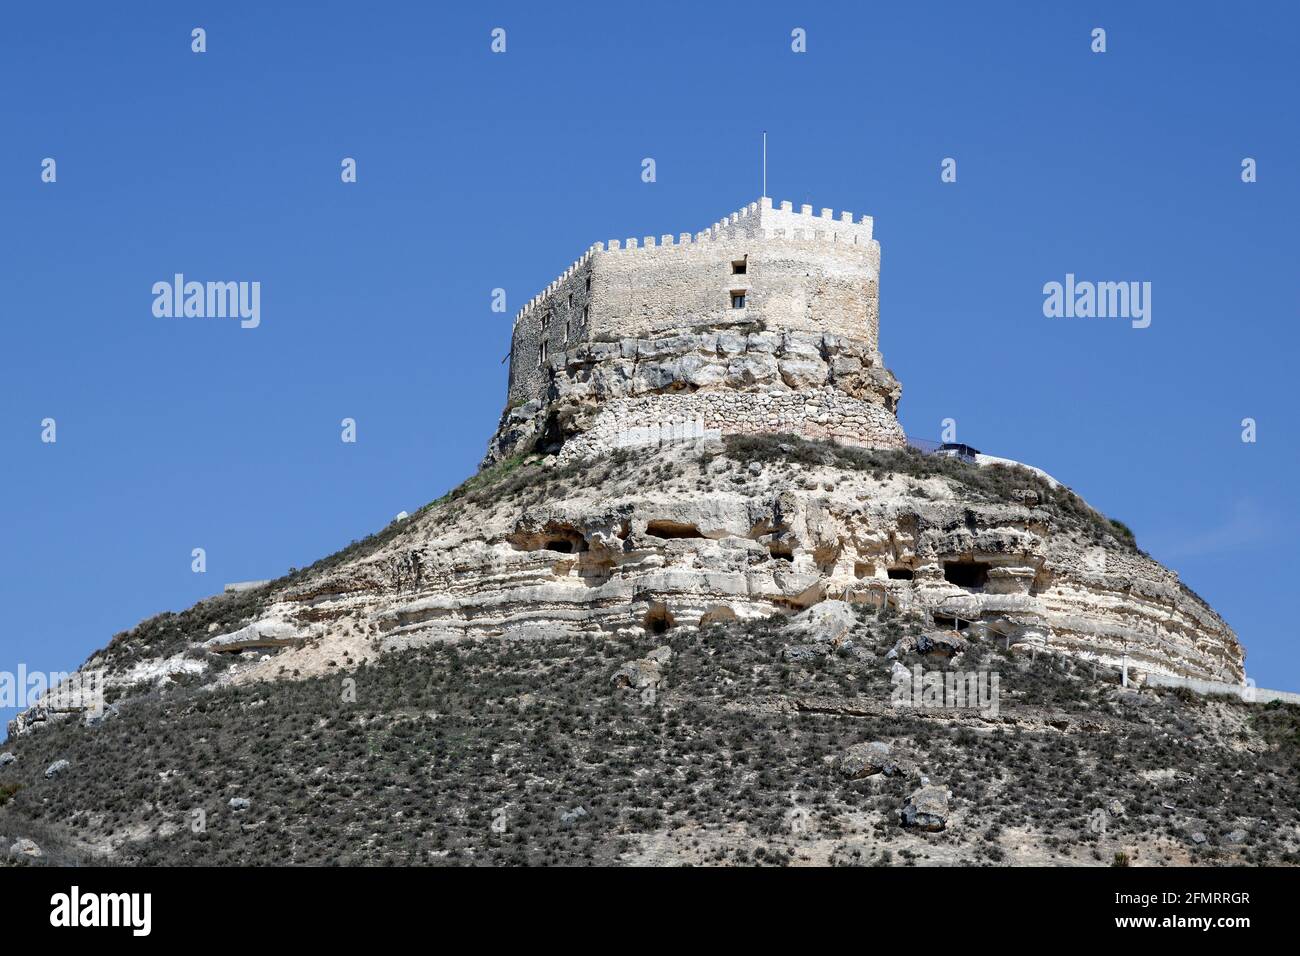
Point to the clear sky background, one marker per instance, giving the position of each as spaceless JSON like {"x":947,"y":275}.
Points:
{"x":479,"y":170}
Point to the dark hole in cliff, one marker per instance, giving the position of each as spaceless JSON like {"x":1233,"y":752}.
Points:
{"x":551,"y":436}
{"x":966,"y":574}
{"x":555,"y":536}
{"x":948,"y":623}
{"x":781,"y":550}
{"x":672,"y":529}
{"x":900,"y":574}
{"x":657,"y":619}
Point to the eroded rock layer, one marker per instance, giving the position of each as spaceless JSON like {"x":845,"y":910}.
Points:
{"x":706,"y":532}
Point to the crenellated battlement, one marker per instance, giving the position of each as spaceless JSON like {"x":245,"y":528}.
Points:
{"x":768,"y":320}
{"x":759,"y":219}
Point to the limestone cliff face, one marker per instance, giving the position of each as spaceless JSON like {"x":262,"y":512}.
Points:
{"x":692,"y":538}
{"x":605,"y":395}
{"x":704,"y":531}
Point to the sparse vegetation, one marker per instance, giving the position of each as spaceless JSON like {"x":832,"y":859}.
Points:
{"x":994,"y":483}
{"x":444,"y":740}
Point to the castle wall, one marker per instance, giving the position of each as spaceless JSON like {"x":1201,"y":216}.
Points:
{"x":560,"y":318}
{"x":789,"y":284}
{"x":633,"y":324}
{"x":804,"y":272}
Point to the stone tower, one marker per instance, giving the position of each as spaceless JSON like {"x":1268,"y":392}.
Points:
{"x":768,"y":321}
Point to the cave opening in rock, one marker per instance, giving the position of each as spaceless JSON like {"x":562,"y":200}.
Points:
{"x":562,"y":546}
{"x":781,"y":550}
{"x":972,"y":575}
{"x":900,"y":574}
{"x":672,"y":529}
{"x":657,"y":619}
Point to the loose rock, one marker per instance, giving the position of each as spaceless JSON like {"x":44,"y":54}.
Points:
{"x":865,"y":760}
{"x":926,"y":809}
{"x":25,"y":849}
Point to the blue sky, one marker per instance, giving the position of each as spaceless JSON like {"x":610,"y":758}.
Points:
{"x":479,"y":170}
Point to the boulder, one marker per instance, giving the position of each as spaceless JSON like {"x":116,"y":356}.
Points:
{"x":570,"y":817}
{"x":926,"y":809}
{"x":865,"y":760}
{"x":946,"y":644}
{"x":700,"y":373}
{"x":657,"y":376}
{"x":56,"y":768}
{"x":801,"y":373}
{"x":751,"y":369}
{"x":1198,"y":838}
{"x":729,"y":343}
{"x":25,"y":849}
{"x":803,"y":652}
{"x":639,"y":674}
{"x":904,"y":645}
{"x":798,"y":347}
{"x":240,"y":803}
{"x":1235,"y":836}
{"x":826,"y":622}
{"x":6,"y":759}
{"x":660,"y":655}
{"x":38,"y":715}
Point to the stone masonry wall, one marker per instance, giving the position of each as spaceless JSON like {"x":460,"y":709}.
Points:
{"x":819,"y":413}
{"x":657,"y":316}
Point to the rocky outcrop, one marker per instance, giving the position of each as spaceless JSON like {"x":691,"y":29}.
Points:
{"x":866,"y":760}
{"x":260,"y":634}
{"x":732,"y":381}
{"x":765,"y":538}
{"x":926,"y":809}
{"x":646,"y":544}
{"x":941,"y":644}
{"x":646,"y":673}
{"x":25,"y":850}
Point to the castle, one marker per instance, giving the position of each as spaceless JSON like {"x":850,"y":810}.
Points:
{"x":768,"y":321}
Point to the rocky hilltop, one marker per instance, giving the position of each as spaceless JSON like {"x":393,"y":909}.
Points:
{"x":703,"y":532}
{"x":699,"y":552}
{"x":696,"y":672}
